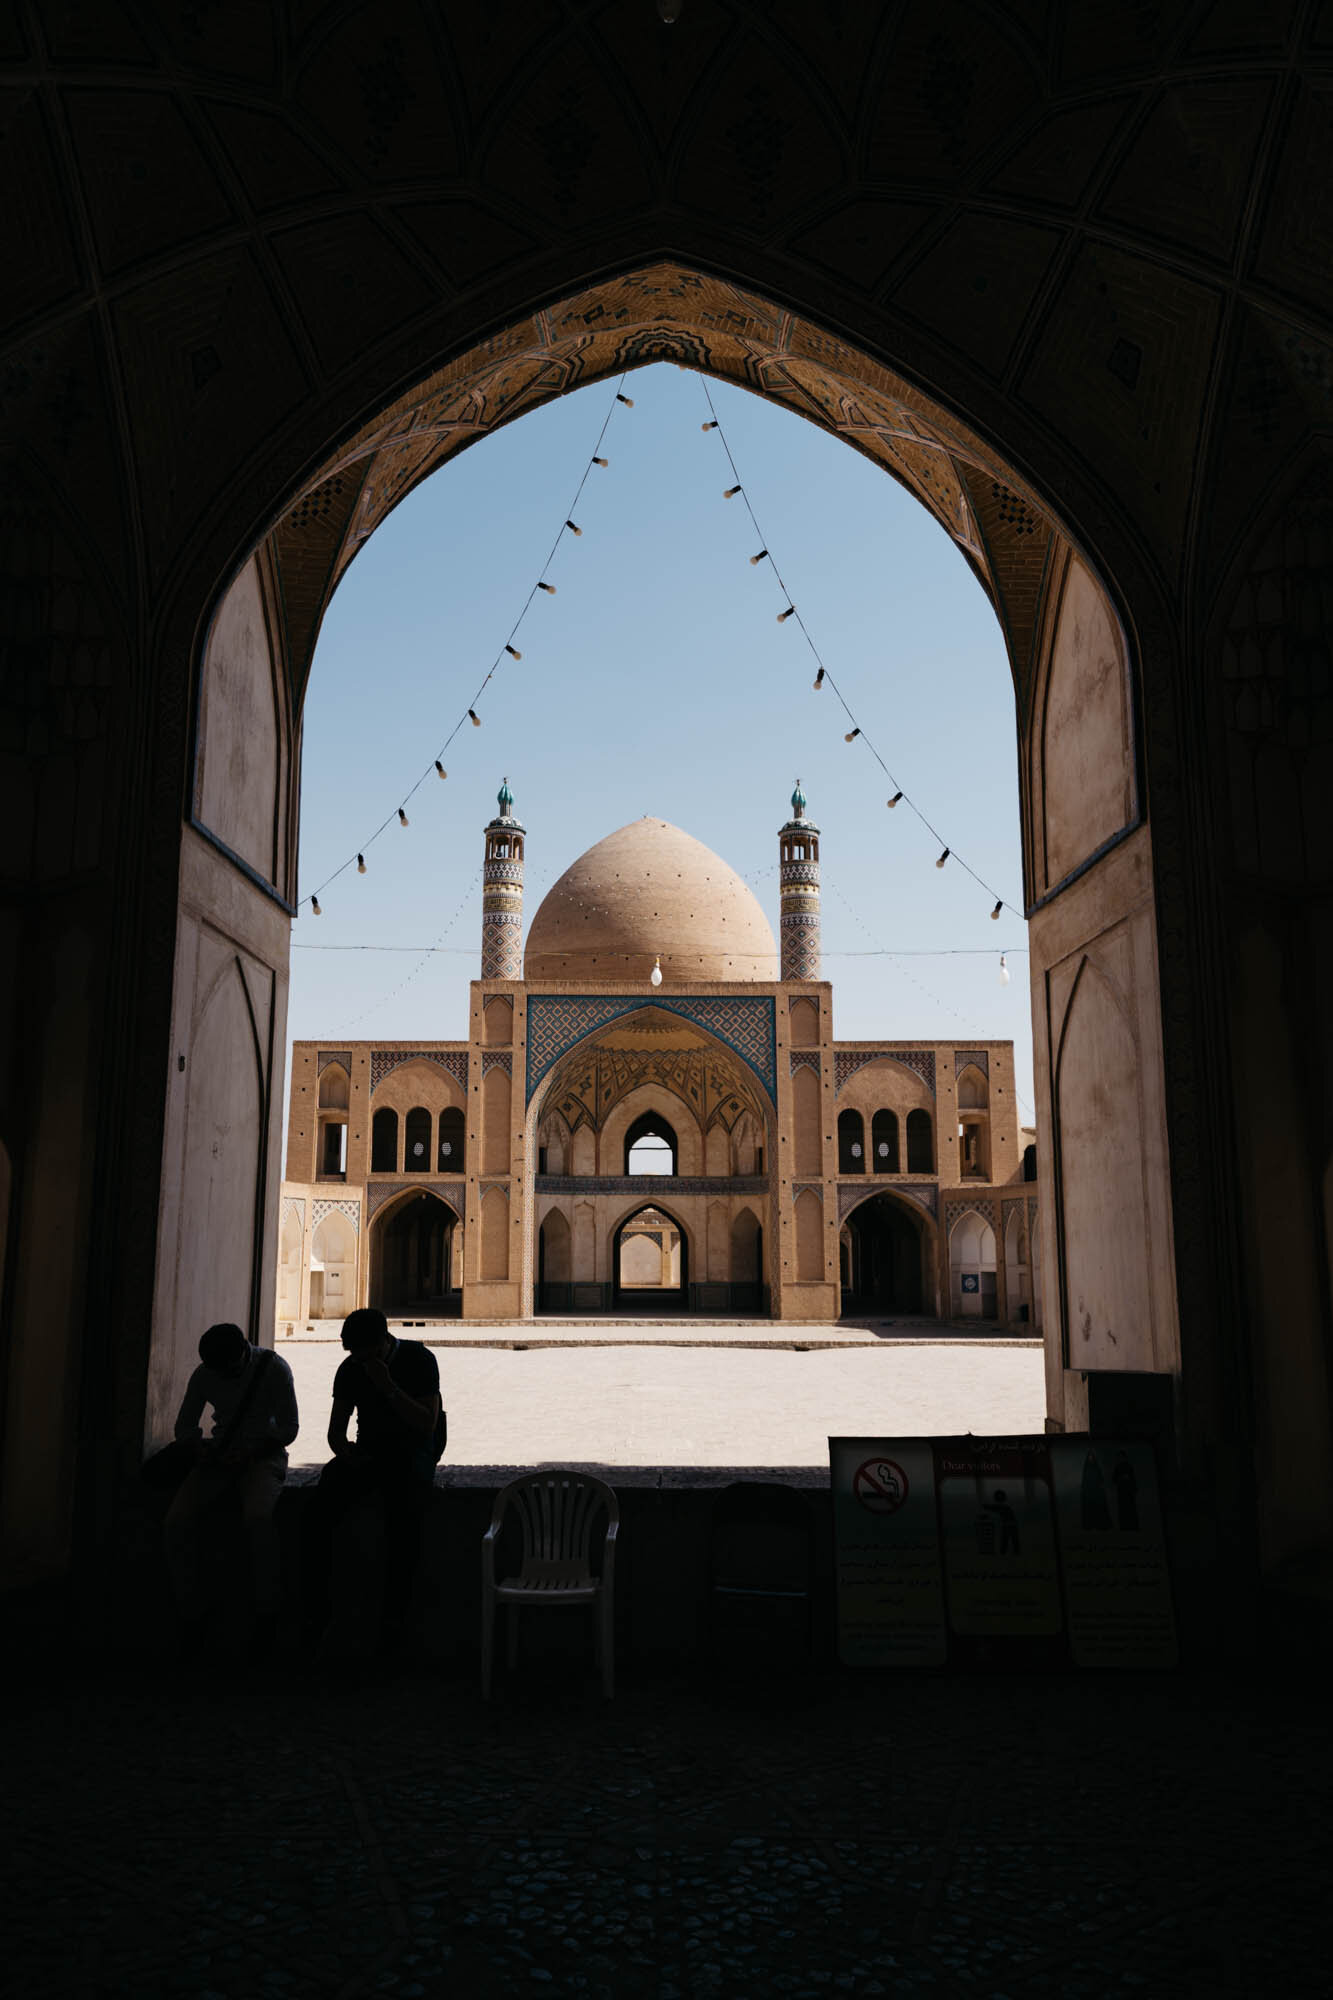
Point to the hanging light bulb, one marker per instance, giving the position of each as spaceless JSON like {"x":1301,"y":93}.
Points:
{"x":783,"y":616}
{"x":440,"y":771}
{"x":549,"y":588}
{"x":943,"y":858}
{"x":403,"y":820}
{"x":759,"y":558}
{"x":603,"y":462}
{"x":513,"y":652}
{"x":655,"y":976}
{"x":474,"y":718}
{"x":314,"y":905}
{"x":819,"y":680}
{"x":852,"y":735}
{"x":628,"y":401}
{"x":711,"y":425}
{"x":1004,"y":971}
{"x":360,"y":864}
{"x":730,"y":492}
{"x":995,"y":913}
{"x":891,"y":803}
{"x":574,"y":527}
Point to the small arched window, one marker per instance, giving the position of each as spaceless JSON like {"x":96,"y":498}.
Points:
{"x":384,"y":1142}
{"x":650,"y":1145}
{"x":920,"y":1143}
{"x":851,"y":1143}
{"x":1029,"y":1163}
{"x":416,"y":1152}
{"x":450,"y":1151}
{"x":884,"y":1142}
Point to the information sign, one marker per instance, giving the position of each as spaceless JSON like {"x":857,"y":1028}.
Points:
{"x":1113,"y":1553}
{"x":1002,"y":1574}
{"x":890,"y":1589}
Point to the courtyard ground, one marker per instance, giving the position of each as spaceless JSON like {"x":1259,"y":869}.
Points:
{"x":712,"y":1399}
{"x":911,"y":1838}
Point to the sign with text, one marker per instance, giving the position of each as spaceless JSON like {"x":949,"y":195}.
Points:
{"x":1113,"y":1552}
{"x":996,"y":1551}
{"x":997,"y":1533}
{"x":889,"y":1578}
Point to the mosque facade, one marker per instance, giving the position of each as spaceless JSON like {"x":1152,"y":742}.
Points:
{"x":650,"y":1113}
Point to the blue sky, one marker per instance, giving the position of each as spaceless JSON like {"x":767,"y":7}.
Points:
{"x":657,"y":680}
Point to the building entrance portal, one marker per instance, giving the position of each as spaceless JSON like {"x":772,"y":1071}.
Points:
{"x":411,"y":1274}
{"x":650,"y":1259}
{"x":882,"y":1260}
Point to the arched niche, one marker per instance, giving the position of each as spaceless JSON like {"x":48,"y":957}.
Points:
{"x":886,"y":1258}
{"x":412,"y":1271}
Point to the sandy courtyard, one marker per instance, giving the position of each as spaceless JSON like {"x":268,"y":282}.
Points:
{"x":701,"y":1405}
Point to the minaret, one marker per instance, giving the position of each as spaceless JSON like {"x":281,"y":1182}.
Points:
{"x":502,"y":893}
{"x":798,"y":848}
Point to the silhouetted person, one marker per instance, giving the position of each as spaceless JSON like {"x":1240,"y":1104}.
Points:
{"x":253,"y":1399}
{"x":393,"y":1386}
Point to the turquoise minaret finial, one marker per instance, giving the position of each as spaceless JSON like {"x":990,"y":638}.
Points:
{"x":798,"y":802}
{"x":504,"y":798}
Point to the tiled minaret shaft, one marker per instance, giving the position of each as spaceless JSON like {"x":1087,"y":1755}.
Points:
{"x":798,"y":849}
{"x":502,"y":893}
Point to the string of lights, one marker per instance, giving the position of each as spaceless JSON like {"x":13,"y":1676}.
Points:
{"x":507,"y":651}
{"x":823,"y":676}
{"x":430,"y":951}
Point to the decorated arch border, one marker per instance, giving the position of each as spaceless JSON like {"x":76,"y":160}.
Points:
{"x":384,"y":1191}
{"x":746,"y":1024}
{"x":350,"y":1206}
{"x":852,"y":1197}
{"x":384,"y":1061}
{"x":921,"y":1062}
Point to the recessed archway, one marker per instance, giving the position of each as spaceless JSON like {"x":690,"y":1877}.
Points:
{"x":650,"y":1262}
{"x":412,"y":1273}
{"x":887,"y":1258}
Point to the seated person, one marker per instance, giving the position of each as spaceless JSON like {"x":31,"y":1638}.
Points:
{"x":253,"y":1400}
{"x":393,"y":1386}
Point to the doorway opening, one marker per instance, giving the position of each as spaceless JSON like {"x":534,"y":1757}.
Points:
{"x":412,"y":1273}
{"x":883,"y":1258}
{"x":650,"y":1258}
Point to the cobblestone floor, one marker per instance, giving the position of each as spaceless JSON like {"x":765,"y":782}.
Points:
{"x":915,"y":1837}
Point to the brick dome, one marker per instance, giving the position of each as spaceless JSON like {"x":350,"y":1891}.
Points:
{"x":650,"y":891}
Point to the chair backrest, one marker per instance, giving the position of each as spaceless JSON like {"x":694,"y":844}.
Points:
{"x":557,"y":1512}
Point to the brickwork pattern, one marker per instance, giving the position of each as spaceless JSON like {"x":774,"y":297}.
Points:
{"x":846,"y":1062}
{"x":384,"y":1061}
{"x":745,"y":1024}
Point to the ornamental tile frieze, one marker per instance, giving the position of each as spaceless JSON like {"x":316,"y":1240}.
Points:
{"x":384,"y":1061}
{"x":979,"y":1057}
{"x":652,"y":1184}
{"x":921,"y":1062}
{"x":327,"y":1056}
{"x":804,"y":1059}
{"x":981,"y":1206}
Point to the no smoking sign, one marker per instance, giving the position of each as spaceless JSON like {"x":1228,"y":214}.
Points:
{"x":880,"y":1484}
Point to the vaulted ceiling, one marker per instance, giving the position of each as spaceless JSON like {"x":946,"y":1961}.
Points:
{"x":268,"y":264}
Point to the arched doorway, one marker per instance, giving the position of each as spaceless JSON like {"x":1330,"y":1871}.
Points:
{"x":650,"y":1263}
{"x":411,"y":1259}
{"x":883,"y":1259}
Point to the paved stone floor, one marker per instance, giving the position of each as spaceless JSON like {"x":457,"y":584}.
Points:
{"x":943,"y":1838}
{"x":645,"y":1404}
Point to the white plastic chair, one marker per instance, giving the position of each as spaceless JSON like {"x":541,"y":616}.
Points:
{"x":557,"y":1512}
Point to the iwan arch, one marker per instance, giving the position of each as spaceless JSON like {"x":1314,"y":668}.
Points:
{"x":1080,"y":311}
